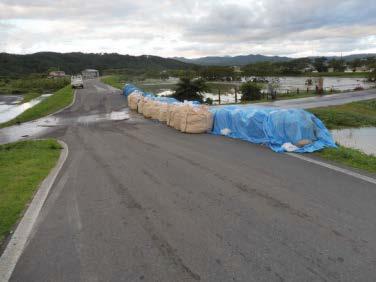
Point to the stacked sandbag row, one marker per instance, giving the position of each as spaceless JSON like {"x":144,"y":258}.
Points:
{"x":187,"y":117}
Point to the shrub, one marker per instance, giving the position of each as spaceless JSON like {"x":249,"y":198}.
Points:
{"x":251,"y":91}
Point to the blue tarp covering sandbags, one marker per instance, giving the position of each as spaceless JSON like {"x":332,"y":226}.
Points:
{"x":282,"y":130}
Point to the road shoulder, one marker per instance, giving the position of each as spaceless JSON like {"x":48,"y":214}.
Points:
{"x":19,"y":239}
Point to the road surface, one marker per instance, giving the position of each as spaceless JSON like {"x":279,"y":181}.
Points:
{"x":138,"y":201}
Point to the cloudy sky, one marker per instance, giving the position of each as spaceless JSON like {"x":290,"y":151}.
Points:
{"x":189,"y":28}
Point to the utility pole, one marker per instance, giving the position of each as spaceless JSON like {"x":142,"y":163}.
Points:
{"x":219,"y":96}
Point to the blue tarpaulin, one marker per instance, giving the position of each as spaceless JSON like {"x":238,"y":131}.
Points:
{"x":272,"y":127}
{"x":129,"y":88}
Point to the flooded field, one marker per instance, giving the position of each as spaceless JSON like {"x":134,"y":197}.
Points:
{"x":12,"y":106}
{"x":286,"y":84}
{"x":363,"y":139}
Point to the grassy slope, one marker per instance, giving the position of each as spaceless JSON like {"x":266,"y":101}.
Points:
{"x":357,"y":114}
{"x":113,"y":80}
{"x":23,"y":165}
{"x":350,"y":157}
{"x":58,"y":100}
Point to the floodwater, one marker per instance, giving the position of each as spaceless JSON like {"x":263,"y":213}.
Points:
{"x":286,"y":83}
{"x":336,"y":83}
{"x":363,"y":138}
{"x":35,"y":129}
{"x":10,"y":107}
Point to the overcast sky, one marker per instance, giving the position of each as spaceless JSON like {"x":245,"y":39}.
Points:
{"x":189,"y":28}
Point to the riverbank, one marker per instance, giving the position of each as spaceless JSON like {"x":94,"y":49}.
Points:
{"x":51,"y":104}
{"x":356,"y":114}
{"x":23,"y":166}
{"x":351,"y":115}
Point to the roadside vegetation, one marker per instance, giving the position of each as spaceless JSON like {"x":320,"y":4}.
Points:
{"x":356,"y":114}
{"x":350,"y":157}
{"x":351,"y":115}
{"x":23,"y":166}
{"x":51,"y":104}
{"x":32,"y":84}
{"x":114,"y":80}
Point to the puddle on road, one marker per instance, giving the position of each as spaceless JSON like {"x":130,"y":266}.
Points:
{"x":363,"y":139}
{"x":10,"y":109}
{"x":35,"y":129}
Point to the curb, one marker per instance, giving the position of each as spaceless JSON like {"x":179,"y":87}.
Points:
{"x":20,"y":237}
{"x":66,"y":107}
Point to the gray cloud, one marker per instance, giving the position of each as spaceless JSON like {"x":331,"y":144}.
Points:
{"x":189,"y":28}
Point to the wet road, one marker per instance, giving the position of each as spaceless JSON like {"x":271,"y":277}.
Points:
{"x":138,"y":201}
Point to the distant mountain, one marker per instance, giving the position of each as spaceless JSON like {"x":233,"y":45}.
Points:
{"x":232,"y":61}
{"x":349,"y":58}
{"x":12,"y":64}
{"x":250,"y":59}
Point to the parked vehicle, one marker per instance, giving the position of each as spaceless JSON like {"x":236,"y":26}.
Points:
{"x":77,"y":81}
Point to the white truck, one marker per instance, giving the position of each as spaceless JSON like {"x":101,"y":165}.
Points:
{"x":77,"y":81}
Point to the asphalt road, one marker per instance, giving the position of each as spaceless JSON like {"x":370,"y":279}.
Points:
{"x":138,"y":201}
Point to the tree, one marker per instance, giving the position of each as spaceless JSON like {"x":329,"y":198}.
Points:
{"x":320,"y":64}
{"x":187,"y":89}
{"x":337,"y":65}
{"x":251,"y":91}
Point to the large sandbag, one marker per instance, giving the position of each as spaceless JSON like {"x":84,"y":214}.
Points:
{"x":147,"y":110}
{"x":133,"y":100}
{"x":154,"y":110}
{"x":179,"y":114}
{"x":196,"y":120}
{"x":140,"y":105}
{"x":163,"y":112}
{"x":170,"y":114}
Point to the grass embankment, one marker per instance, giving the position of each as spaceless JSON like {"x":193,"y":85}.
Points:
{"x":58,"y":100}
{"x":356,"y":114}
{"x":113,"y":80}
{"x":350,"y":157}
{"x":32,"y":84}
{"x":23,"y":166}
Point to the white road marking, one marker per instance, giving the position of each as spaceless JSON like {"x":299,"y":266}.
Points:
{"x":20,"y":237}
{"x":336,"y":168}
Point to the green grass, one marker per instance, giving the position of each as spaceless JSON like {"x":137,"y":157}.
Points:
{"x":30,"y":96}
{"x":31,"y":84}
{"x":23,"y":166}
{"x":357,"y":114}
{"x":113,"y":80}
{"x":350,"y":157}
{"x":58,"y":100}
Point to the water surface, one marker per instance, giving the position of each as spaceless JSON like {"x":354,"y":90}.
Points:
{"x":363,"y":138}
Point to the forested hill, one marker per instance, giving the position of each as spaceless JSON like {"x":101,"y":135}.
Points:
{"x":11,"y":64}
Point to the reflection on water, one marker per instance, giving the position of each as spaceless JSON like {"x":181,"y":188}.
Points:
{"x":37,"y":128}
{"x":363,"y":139}
{"x":9,"y":109}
